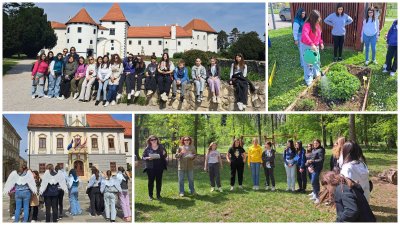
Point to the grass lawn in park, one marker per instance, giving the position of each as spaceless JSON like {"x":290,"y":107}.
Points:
{"x":253,"y":206}
{"x":288,"y":81}
{"x":8,"y":64}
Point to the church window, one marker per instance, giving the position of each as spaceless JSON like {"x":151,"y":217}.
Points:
{"x":113,"y":166}
{"x":42,"y":167}
{"x":111,"y":143}
{"x":159,"y":42}
{"x":42,"y":142}
{"x":149,"y":42}
{"x":179,"y":43}
{"x":60,"y":142}
{"x":94,"y":143}
{"x":79,"y":29}
{"x":102,"y":32}
{"x":79,"y":41}
{"x":90,"y":165}
{"x":112,"y":31}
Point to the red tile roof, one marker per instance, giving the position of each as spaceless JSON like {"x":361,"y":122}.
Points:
{"x":101,"y":27}
{"x":58,"y":25}
{"x":128,"y":127}
{"x":102,"y":121}
{"x":46,"y":120}
{"x":156,"y":32}
{"x":114,"y":14}
{"x":82,"y":17}
{"x":200,"y":25}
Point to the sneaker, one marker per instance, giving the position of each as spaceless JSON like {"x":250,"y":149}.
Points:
{"x":137,"y":93}
{"x":33,"y":221}
{"x":81,"y":100}
{"x":129,"y":96}
{"x":76,"y":95}
{"x":33,"y":96}
{"x":193,"y":193}
{"x":198,"y":98}
{"x":231,"y":188}
{"x":132,"y":92}
{"x":151,"y":198}
{"x":384,"y":71}
{"x":257,"y":188}
{"x":293,"y":190}
{"x":97,"y":102}
{"x":366,"y":63}
{"x":220,"y":189}
{"x":201,"y":97}
{"x":106,"y":104}
{"x":13,"y":217}
{"x":311,"y":194}
{"x":159,"y":197}
{"x":113,"y":102}
{"x":164,"y":97}
{"x":340,"y":59}
{"x":214,"y":99}
{"x":266,"y":188}
{"x":392,"y":74}
{"x":240,"y":187}
{"x":313,"y":197}
{"x":272,"y":188}
{"x":287,"y":189}
{"x":375,"y":62}
{"x":244,"y":106}
{"x":149,"y":92}
{"x":316,"y":201}
{"x":181,"y":195}
{"x":240,"y":106}
{"x":47,"y":96}
{"x":254,"y":187}
{"x":118,"y":96}
{"x":61,"y":98}
{"x":212,"y":189}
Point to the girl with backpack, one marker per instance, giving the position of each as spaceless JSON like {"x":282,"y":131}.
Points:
{"x":110,"y":187}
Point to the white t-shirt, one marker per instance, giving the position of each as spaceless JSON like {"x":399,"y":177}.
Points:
{"x":213,"y":156}
{"x":358,"y":172}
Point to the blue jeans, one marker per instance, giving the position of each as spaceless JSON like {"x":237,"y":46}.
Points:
{"x":74,"y":202}
{"x":38,"y":84}
{"x":22,"y":198}
{"x":54,"y":86}
{"x":255,"y":173}
{"x":315,"y":182}
{"x":310,"y":70}
{"x":181,"y":179}
{"x":112,"y":92}
{"x":102,"y":86}
{"x":290,"y":176}
{"x":369,"y":41}
{"x":299,"y":47}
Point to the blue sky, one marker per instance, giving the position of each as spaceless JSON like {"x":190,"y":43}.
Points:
{"x":221,"y":16}
{"x":20,"y":123}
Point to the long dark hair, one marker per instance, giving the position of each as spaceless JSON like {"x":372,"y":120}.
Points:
{"x":79,"y":60}
{"x":352,"y":151}
{"x":97,"y":61}
{"x":319,"y":142}
{"x":113,"y":61}
{"x":313,"y":20}
{"x":73,"y":173}
{"x":300,"y":144}
{"x":108,"y":61}
{"x":95,"y":171}
{"x":45,"y":58}
{"x":141,"y":63}
{"x":339,"y":5}
{"x":241,"y":63}
{"x":291,"y":144}
{"x":48,"y":56}
{"x":166,"y":61}
{"x":373,"y":14}
{"x":239,"y":140}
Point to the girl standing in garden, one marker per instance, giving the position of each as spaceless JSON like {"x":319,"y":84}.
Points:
{"x":199,"y":76}
{"x":127,"y":77}
{"x":69,"y":72}
{"x":79,"y":77}
{"x":311,"y":40}
{"x":103,"y":75}
{"x":254,"y":161}
{"x":56,"y":72}
{"x":139,"y":75}
{"x":236,"y":157}
{"x":90,"y":77}
{"x":214,"y":79}
{"x":237,"y":76}
{"x":370,"y":34}
{"x":212,"y":165}
{"x":150,"y":82}
{"x":317,"y":160}
{"x":289,"y":155}
{"x":297,"y":30}
{"x":116,"y":70}
{"x":338,"y":21}
{"x":391,"y":54}
{"x":186,"y":155}
{"x":301,"y":167}
{"x":40,"y":70}
{"x":268,"y":158}
{"x":181,"y":78}
{"x":165,"y":70}
{"x":155,"y":163}
{"x":73,"y":188}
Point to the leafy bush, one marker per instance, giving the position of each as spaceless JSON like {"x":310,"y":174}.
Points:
{"x":191,"y":55}
{"x":177,"y":55}
{"x":305,"y":105}
{"x":338,"y":67}
{"x":338,"y":85}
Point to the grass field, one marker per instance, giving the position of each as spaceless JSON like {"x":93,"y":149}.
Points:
{"x":248,"y":205}
{"x":7,"y":64}
{"x":288,"y":81}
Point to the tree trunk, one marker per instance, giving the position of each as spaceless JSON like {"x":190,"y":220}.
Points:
{"x":258,"y":118}
{"x":196,"y":127}
{"x":272,"y":130}
{"x":323,"y":127}
{"x":352,"y":128}
{"x":365,"y":127}
{"x":330,"y":140}
{"x":391,"y":142}
{"x":137,"y":131}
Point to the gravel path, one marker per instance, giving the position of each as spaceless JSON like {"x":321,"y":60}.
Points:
{"x":17,"y":96}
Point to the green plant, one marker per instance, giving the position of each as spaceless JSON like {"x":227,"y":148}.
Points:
{"x":191,"y":56}
{"x":338,"y":67}
{"x":305,"y":105}
{"x":338,"y":86}
{"x":177,"y":55}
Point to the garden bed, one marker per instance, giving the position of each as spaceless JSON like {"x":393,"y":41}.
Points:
{"x":311,"y":99}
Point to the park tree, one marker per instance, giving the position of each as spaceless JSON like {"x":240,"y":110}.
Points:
{"x":250,"y":45}
{"x":234,"y":35}
{"x":222,"y":40}
{"x":352,"y":127}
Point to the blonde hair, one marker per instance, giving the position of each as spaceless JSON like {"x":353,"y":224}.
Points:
{"x":338,"y":148}
{"x":210,"y":146}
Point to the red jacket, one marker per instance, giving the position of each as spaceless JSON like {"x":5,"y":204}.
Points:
{"x":309,"y":38}
{"x":43,"y":67}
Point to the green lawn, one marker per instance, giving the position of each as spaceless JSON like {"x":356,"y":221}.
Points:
{"x":240,"y":206}
{"x":288,"y":81}
{"x":391,"y":10}
{"x":7,"y":64}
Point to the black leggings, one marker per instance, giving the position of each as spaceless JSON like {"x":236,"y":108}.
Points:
{"x":60,"y":202}
{"x":154,"y":175}
{"x":128,"y":80}
{"x":338,"y":42}
{"x":164,"y":84}
{"x":269,"y":176}
{"x":239,"y":167}
{"x":51,"y":203}
{"x":301,"y":178}
{"x":65,"y":87}
{"x":241,"y":90}
{"x":391,"y":55}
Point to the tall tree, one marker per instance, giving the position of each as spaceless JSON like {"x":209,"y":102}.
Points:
{"x":234,"y":35}
{"x":138,"y":123}
{"x":352,"y":127}
{"x":222,"y":40}
{"x":250,"y":45}
{"x":196,"y":127}
{"x":365,"y":128}
{"x":258,"y":119}
{"x":323,"y":127}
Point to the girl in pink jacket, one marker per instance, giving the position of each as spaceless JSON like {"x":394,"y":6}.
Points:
{"x":40,"y":70}
{"x":311,"y":39}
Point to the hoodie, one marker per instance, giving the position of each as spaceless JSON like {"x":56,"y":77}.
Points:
{"x":298,"y":24}
{"x":392,"y":34}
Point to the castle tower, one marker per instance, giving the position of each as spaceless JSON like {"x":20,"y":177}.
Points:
{"x":82,"y":33}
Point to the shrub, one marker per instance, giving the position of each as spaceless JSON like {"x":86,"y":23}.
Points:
{"x":338,"y":67}
{"x":191,"y":55}
{"x":305,"y":105}
{"x":177,"y":55}
{"x":338,"y":85}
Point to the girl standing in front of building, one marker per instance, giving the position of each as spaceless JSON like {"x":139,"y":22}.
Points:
{"x":56,"y":73}
{"x":254,"y":161}
{"x":79,"y":77}
{"x":34,"y":204}
{"x":103,"y":75}
{"x":90,"y":77}
{"x":236,"y":157}
{"x":311,"y":40}
{"x":93,"y":190}
{"x":124,"y":194}
{"x":73,"y":185}
{"x":214,"y":79}
{"x":39,"y":72}
{"x":150,"y":82}
{"x":68,"y":74}
{"x":237,"y":76}
{"x":370,"y":34}
{"x":199,"y":76}
{"x":288,"y":158}
{"x":139,"y":75}
{"x":212,"y":165}
{"x":186,"y":154}
{"x":165,"y":70}
{"x":116,"y":70}
{"x":110,"y":187}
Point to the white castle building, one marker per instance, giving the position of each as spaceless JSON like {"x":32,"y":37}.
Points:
{"x":114,"y":34}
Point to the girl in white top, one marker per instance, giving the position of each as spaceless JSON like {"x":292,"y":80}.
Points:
{"x":103,"y":76}
{"x":212,"y":164}
{"x":90,"y":78}
{"x":116,"y":70}
{"x":237,"y":75}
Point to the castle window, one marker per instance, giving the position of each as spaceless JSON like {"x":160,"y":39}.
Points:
{"x":126,"y":147}
{"x":179,"y":43}
{"x":113,"y":166}
{"x":113,"y":22}
{"x":149,"y":42}
{"x":67,"y":40}
{"x":112,"y":48}
{"x":159,"y":42}
{"x":204,"y":37}
{"x":91,"y":41}
{"x":198,"y":37}
{"x":79,"y":41}
{"x":68,"y":30}
{"x":94,"y":31}
{"x":42,"y":142}
{"x":139,"y":42}
{"x":60,"y":143}
{"x":130,"y":42}
{"x":102,"y":32}
{"x":42,"y":167}
{"x":112,"y":31}
{"x":79,"y":29}
{"x":111,"y":143}
{"x":112,"y":41}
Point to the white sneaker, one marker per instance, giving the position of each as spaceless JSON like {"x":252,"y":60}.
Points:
{"x":33,"y":96}
{"x":107,"y":103}
{"x":214,"y":99}
{"x":13,"y":217}
{"x":257,"y":188}
{"x":244,"y":106}
{"x":366,"y":63}
{"x":311,"y":194}
{"x":181,"y":195}
{"x":293,"y":189}
{"x":254,"y":187}
{"x":287,"y":189}
{"x":76,"y":95}
{"x":137,"y":93}
{"x":272,"y":188}
{"x":384,"y":71}
{"x":132,"y":91}
{"x":149,"y":92}
{"x":266,"y":188}
{"x":392,"y":74}
{"x":113,"y":102}
{"x":220,"y":189}
{"x":47,"y":96}
{"x":375,"y":62}
{"x":313,"y":197}
{"x":33,"y":221}
{"x":240,"y":106}
{"x":61,"y":98}
{"x":118,"y":96}
{"x":212,"y":189}
{"x":231,"y":188}
{"x":316,"y":201}
{"x":129,"y":96}
{"x":240,"y":187}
